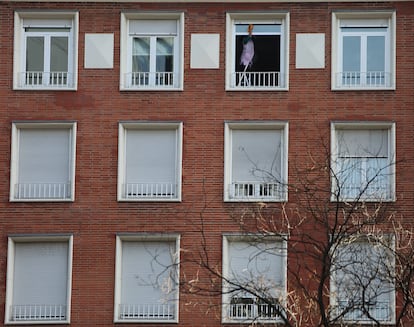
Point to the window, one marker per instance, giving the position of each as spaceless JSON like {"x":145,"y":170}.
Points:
{"x":363,"y":161}
{"x":255,"y":161}
{"x":39,"y":279}
{"x":363,"y":50}
{"x":361,"y":284}
{"x":257,"y":51}
{"x":152,"y":47}
{"x":258,"y":264}
{"x":146,"y":288}
{"x":45,"y":50}
{"x":43,"y":161}
{"x":150,"y":161}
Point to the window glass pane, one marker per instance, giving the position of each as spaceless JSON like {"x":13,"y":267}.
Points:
{"x":351,"y":54}
{"x":375,"y":53}
{"x":151,"y":156}
{"x":59,"y":50}
{"x":35,"y":53}
{"x":44,"y":156}
{"x":141,"y":54}
{"x":256,"y":155}
{"x":165,"y":47}
{"x":40,"y":273}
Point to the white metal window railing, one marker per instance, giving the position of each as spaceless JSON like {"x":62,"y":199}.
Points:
{"x":40,"y":79}
{"x":43,"y":191}
{"x":247,"y":308}
{"x":350,"y":79}
{"x":150,"y":190}
{"x":261,"y":80}
{"x":46,"y":312}
{"x":151,"y":79}
{"x":147,"y":311}
{"x":353,"y":312}
{"x":248,"y":190}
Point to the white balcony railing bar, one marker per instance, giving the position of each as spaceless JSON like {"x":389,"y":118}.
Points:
{"x":34,"y":79}
{"x":43,"y":191}
{"x":154,"y":190}
{"x":363,"y":79}
{"x":253,"y":80}
{"x":151,"y":79}
{"x":46,"y":312}
{"x":147,"y":311}
{"x":352,"y":312}
{"x":254,"y":311}
{"x":248,"y":190}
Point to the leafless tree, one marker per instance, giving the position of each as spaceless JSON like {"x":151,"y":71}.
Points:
{"x":345,"y":247}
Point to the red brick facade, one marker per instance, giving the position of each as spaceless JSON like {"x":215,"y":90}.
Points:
{"x":203,"y":106}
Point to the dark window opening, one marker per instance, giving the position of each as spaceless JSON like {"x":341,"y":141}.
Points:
{"x":266,"y":53}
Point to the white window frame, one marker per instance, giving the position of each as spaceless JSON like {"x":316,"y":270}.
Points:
{"x":280,"y":292}
{"x":142,"y":238}
{"x":42,"y":187}
{"x":47,"y":20}
{"x":358,"y":19}
{"x":232,"y":19}
{"x":387,"y":242}
{"x":150,"y":126}
{"x":12,"y":241}
{"x":281,"y":193}
{"x":335,"y":162}
{"x":126,"y":52}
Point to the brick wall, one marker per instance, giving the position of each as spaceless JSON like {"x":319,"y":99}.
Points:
{"x":203,"y":106}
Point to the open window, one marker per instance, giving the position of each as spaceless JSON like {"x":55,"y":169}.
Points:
{"x":43,"y":161}
{"x":149,"y":161}
{"x":362,"y":289}
{"x":152,"y":51}
{"x":38,"y":280}
{"x":254,"y":284}
{"x":256,"y":161}
{"x":363,"y":53}
{"x":45,"y":50}
{"x":146,"y":288}
{"x":363,"y":161}
{"x":257,"y":51}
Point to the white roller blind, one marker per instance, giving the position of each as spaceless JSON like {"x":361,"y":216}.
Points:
{"x":261,"y":263}
{"x":363,"y":143}
{"x":151,"y":156}
{"x":40,"y":273}
{"x":256,"y":154}
{"x":373,"y":22}
{"x":44,"y":155}
{"x":146,"y":268}
{"x":33,"y":22}
{"x":153,"y":27}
